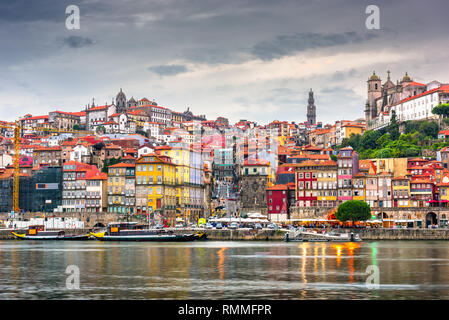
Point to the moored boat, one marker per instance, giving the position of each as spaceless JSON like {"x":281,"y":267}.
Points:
{"x":304,"y":236}
{"x":131,"y":231}
{"x":38,"y":232}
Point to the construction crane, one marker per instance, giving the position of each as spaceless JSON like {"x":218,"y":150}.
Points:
{"x":16,"y":163}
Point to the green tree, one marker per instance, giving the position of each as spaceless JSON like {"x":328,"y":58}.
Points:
{"x":393,"y":127}
{"x":353,"y":210}
{"x":76,"y":127}
{"x":442,"y":109}
{"x":429,"y":129}
{"x":383,"y":140}
{"x":369,"y":139}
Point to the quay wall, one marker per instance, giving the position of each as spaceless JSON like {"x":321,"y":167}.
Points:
{"x":278,"y":235}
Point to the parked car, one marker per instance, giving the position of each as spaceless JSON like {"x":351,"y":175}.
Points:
{"x":258,"y":226}
{"x":209,"y":226}
{"x":159,"y":226}
{"x":179,"y":225}
{"x":218,"y":226}
{"x":273,"y":226}
{"x":233,"y":226}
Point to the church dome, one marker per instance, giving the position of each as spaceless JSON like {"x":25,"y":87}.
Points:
{"x":406,"y":78}
{"x":374,"y":77}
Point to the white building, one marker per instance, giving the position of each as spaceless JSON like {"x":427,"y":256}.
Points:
{"x":98,"y":115}
{"x":420,"y":106}
{"x":80,"y":153}
{"x":144,"y":150}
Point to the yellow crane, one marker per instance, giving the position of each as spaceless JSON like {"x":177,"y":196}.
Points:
{"x":16,"y":163}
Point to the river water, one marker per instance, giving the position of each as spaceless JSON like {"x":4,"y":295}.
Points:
{"x":224,"y":270}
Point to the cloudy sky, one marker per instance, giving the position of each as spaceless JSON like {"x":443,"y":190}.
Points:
{"x":249,"y":59}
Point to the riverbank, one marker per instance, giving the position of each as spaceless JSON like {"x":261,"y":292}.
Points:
{"x":279,"y":235}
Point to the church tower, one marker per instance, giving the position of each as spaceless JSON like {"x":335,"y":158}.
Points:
{"x":311,"y":109}
{"x":374,"y":92}
{"x":120,"y":102}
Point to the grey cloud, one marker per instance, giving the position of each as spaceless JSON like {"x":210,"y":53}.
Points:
{"x":284,"y":45}
{"x":168,"y":70}
{"x":77,"y":41}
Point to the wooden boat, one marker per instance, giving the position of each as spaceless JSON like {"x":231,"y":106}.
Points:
{"x":304,"y":236}
{"x":130,"y":231}
{"x":38,"y":232}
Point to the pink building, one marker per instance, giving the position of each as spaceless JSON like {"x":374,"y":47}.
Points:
{"x":348,"y":165}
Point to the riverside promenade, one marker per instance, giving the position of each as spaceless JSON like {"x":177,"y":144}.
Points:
{"x":278,"y":235}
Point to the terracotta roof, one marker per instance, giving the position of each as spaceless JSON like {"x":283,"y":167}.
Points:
{"x":40,"y":148}
{"x":278,"y":187}
{"x":123,"y":165}
{"x":101,"y":176}
{"x":312,"y":163}
{"x":443,"y":88}
{"x":98,"y":108}
{"x":35,"y":118}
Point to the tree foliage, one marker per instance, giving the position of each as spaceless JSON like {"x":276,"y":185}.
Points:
{"x":442,"y":109}
{"x":393,"y":127}
{"x":110,"y":162}
{"x":353,"y":210}
{"x":389,"y":143}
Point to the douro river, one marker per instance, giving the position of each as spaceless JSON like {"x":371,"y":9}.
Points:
{"x":224,"y":270}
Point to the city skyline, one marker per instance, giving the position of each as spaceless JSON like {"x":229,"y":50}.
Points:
{"x":220,"y":59}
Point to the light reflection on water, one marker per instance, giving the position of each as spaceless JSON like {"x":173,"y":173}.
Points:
{"x":224,"y":270}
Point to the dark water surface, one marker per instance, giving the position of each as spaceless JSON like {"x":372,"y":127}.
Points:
{"x":224,"y":270}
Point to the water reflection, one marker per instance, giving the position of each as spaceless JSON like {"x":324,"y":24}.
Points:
{"x":224,"y":270}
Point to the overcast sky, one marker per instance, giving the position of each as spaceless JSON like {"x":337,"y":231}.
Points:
{"x":252,"y":59}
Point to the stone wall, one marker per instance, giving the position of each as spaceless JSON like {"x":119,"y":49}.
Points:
{"x":90,"y":218}
{"x":400,"y":234}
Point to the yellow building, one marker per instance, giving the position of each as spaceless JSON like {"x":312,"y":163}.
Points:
{"x":397,"y":166}
{"x":443,"y":187}
{"x":327,"y":183}
{"x":155,"y":183}
{"x":401,"y":192}
{"x":350,"y":129}
{"x":121,"y":181}
{"x":358,"y":185}
{"x":189,"y":177}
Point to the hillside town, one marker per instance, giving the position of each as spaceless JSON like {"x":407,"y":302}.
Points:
{"x":140,"y":160}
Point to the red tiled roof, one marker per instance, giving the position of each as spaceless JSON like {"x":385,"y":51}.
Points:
{"x":123,"y":165}
{"x":98,"y":108}
{"x":100,"y":176}
{"x":278,"y":187}
{"x":40,"y":148}
{"x":443,"y":88}
{"x":311,"y":163}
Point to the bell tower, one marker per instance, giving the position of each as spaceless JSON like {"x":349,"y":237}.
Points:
{"x":374,"y":92}
{"x":311,"y":109}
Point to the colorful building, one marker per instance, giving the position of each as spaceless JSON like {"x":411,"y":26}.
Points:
{"x":121,"y":188}
{"x":156,"y":183}
{"x":316,"y":183}
{"x":401,"y":192}
{"x":348,"y":165}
